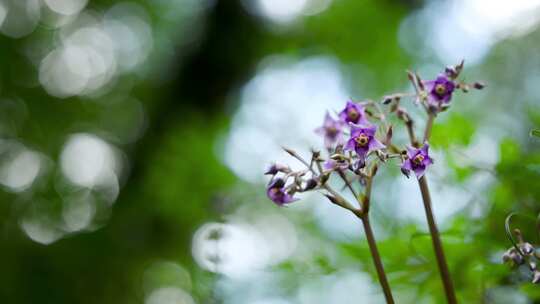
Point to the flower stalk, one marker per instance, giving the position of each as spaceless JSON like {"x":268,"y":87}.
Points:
{"x":437,"y":243}
{"x":377,"y":259}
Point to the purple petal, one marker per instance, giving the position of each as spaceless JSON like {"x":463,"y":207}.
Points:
{"x":429,"y":85}
{"x":407,"y":165}
{"x":427,"y":161}
{"x":350,"y":145}
{"x":361,"y":151}
{"x":374,"y":144}
{"x":320,"y":130}
{"x":425,"y":149}
{"x":419,"y":171}
{"x":370,"y":130}
{"x":411,"y":152}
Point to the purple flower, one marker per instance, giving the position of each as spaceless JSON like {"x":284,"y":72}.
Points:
{"x":418,"y":160}
{"x":276,"y":192}
{"x":332,"y":130}
{"x":332,"y":165}
{"x":440,"y":90}
{"x":363,"y":140}
{"x":353,"y":113}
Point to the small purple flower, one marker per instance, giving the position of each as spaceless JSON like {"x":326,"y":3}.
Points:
{"x":332,"y":130}
{"x":418,"y":160}
{"x":276,"y":192}
{"x":353,"y":113}
{"x":440,"y":90}
{"x":331,"y":165}
{"x":363,"y":140}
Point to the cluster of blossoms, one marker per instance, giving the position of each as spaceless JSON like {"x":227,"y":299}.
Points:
{"x":351,"y":138}
{"x":523,"y":253}
{"x":357,"y":140}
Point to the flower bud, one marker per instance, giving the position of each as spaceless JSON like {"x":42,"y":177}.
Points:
{"x":310,"y":184}
{"x":526,"y":248}
{"x":389,"y":134}
{"x":405,"y":172}
{"x":479,"y":85}
{"x":451,"y":72}
{"x":512,"y":257}
{"x":275,"y":168}
{"x":536,"y":277}
{"x":324,"y":178}
{"x":334,"y":200}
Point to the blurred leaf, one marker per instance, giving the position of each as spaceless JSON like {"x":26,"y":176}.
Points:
{"x":456,"y":130}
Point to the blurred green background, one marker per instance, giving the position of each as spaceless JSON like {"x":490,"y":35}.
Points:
{"x":133,"y":135}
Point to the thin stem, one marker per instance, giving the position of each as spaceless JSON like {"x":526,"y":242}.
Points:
{"x":377,"y":259}
{"x":410,"y":130}
{"x":437,"y":243}
{"x":434,"y":231}
{"x":362,"y":215}
{"x":347,"y":183}
{"x":429,"y":126}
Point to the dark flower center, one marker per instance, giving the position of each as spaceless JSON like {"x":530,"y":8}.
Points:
{"x":418,"y":159}
{"x":276,"y":193}
{"x":331,"y":131}
{"x":353,"y":114}
{"x":362,"y":140}
{"x":440,"y":89}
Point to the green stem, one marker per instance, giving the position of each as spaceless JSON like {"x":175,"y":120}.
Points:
{"x":437,"y":243}
{"x":377,"y":259}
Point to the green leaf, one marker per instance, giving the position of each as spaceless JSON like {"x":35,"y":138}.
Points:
{"x":456,"y":130}
{"x":535,"y":132}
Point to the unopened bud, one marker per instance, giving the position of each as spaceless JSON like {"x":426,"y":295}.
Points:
{"x":334,"y":199}
{"x":526,"y":248}
{"x":405,"y":172}
{"x":451,"y":72}
{"x":512,"y":257}
{"x":479,"y":85}
{"x":536,"y":277}
{"x":420,"y":82}
{"x":389,"y":134}
{"x":324,"y":178}
{"x":310,"y":184}
{"x":275,"y":168}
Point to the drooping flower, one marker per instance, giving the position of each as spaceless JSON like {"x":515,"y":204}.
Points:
{"x":331,"y":130}
{"x":363,"y":140}
{"x":353,"y":113}
{"x":439,"y":90}
{"x":277,"y":193}
{"x":417,"y":160}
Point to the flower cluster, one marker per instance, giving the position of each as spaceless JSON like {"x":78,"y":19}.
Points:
{"x":359,"y":137}
{"x":523,"y":253}
{"x":350,"y":140}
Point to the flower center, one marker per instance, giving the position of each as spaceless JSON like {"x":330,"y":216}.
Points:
{"x":362,"y":140}
{"x":440,"y":89}
{"x":418,"y":159}
{"x":332,"y":131}
{"x":353,"y":114}
{"x":276,"y":192}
